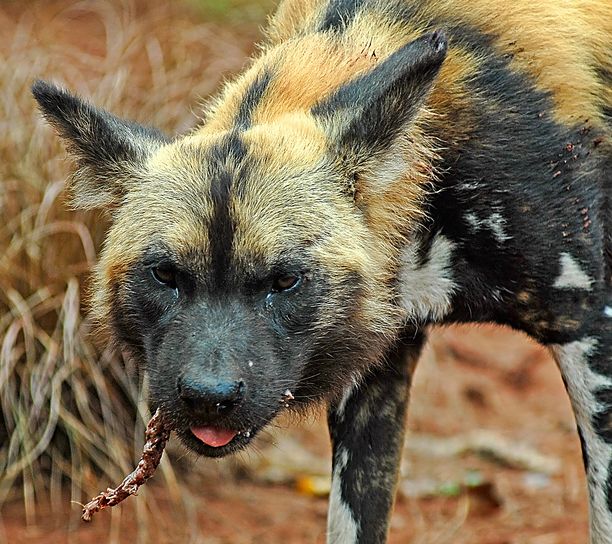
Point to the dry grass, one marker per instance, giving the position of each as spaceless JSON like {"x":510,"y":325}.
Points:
{"x":68,"y":412}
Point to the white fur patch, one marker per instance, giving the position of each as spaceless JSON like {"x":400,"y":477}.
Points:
{"x":341,"y":525}
{"x":581,"y":382}
{"x":572,"y":276}
{"x":608,"y":311}
{"x":473,"y":221}
{"x":348,"y":392}
{"x":469,"y":186}
{"x":391,"y":168}
{"x":427,"y":290}
{"x":497,"y":224}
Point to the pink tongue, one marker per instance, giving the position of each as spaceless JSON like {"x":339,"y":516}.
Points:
{"x":213,"y":436}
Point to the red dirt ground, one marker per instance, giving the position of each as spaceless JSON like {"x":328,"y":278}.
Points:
{"x":469,"y":378}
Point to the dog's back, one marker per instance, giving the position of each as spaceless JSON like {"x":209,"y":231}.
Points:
{"x":564,"y":47}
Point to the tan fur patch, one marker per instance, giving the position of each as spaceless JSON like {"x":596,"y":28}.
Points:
{"x":559,"y":44}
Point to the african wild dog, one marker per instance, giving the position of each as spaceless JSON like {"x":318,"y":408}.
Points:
{"x":382,"y":165}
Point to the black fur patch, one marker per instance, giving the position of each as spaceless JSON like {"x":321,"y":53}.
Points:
{"x":514,"y":159}
{"x":226,"y":168}
{"x":125,"y":317}
{"x":339,"y":351}
{"x":96,"y":135}
{"x":583,"y":446}
{"x":339,"y":14}
{"x":609,"y":487}
{"x":602,"y":421}
{"x":252,"y":99}
{"x":141,"y":306}
{"x":385,"y":99}
{"x":371,"y":430}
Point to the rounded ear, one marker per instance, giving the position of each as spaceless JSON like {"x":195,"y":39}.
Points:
{"x":371,"y":110}
{"x":366,"y":117}
{"x":108,"y":151}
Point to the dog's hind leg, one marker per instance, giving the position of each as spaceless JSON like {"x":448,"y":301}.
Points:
{"x":586,"y":365}
{"x":367,"y":432}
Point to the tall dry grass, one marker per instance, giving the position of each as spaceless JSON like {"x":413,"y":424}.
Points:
{"x":70,"y":416}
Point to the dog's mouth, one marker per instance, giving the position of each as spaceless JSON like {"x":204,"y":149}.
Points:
{"x":223,"y":436}
{"x":215,"y":437}
{"x":215,"y":441}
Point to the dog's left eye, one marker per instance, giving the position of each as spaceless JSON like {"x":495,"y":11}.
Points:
{"x":286,"y":282}
{"x":165,"y":275}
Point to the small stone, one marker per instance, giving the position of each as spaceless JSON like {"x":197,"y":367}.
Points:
{"x":536,"y":480}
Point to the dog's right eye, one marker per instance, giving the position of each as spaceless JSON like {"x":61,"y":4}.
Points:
{"x":164,"y":275}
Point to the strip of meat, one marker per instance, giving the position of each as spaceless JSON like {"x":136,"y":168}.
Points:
{"x":157,"y":435}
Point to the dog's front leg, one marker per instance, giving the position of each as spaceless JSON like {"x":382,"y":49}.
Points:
{"x":586,"y":365}
{"x":367,"y":432}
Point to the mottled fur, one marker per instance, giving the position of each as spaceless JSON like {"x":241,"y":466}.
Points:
{"x":406,"y":163}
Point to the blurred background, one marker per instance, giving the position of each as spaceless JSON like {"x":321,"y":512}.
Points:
{"x":491,"y":451}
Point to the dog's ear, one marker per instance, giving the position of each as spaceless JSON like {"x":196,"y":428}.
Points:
{"x":108,"y":151}
{"x":364,"y":118}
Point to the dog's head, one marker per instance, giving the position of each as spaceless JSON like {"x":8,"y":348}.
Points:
{"x":249,"y":266}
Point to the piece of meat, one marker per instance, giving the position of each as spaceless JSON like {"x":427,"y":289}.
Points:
{"x":157,"y":435}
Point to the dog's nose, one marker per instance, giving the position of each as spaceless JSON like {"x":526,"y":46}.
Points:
{"x":210,"y":398}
